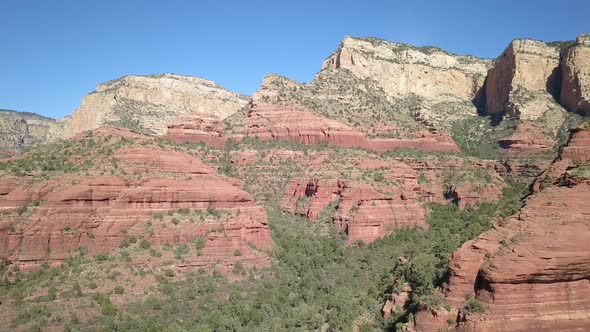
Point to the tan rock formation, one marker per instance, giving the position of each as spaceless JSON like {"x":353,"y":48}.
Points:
{"x":521,"y":79}
{"x":371,"y":84}
{"x":575,"y":86}
{"x":20,"y":131}
{"x":401,"y":69}
{"x":148,"y":103}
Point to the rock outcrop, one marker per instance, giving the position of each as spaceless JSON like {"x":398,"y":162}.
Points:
{"x":271,"y":122}
{"x":384,"y":89}
{"x":531,"y":271}
{"x":522,"y":80}
{"x":158,"y":195}
{"x":578,"y":147}
{"x":575,"y":86}
{"x":147,"y":104}
{"x":371,"y":197}
{"x":197,"y":128}
{"x":401,"y":70}
{"x":364,"y":213}
{"x":20,"y":131}
{"x":527,"y":140}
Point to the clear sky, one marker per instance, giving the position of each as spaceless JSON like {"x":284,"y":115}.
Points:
{"x":55,"y":52}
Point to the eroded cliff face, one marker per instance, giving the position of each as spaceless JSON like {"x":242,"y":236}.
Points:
{"x":532,"y":270}
{"x":147,"y":104}
{"x":123,"y":185}
{"x":197,"y":128}
{"x":539,"y":85}
{"x":522,"y":79}
{"x":575,"y":93}
{"x":384,"y":89}
{"x":290,"y":123}
{"x":367,"y":197}
{"x":20,"y":131}
{"x":400,"y":70}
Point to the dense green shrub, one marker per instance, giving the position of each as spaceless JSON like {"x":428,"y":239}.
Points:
{"x":472,"y":305}
{"x":107,"y":308}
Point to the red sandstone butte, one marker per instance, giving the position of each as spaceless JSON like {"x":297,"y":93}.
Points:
{"x":197,"y":128}
{"x":363,"y":213}
{"x":98,"y":212}
{"x":578,"y":148}
{"x":271,"y":122}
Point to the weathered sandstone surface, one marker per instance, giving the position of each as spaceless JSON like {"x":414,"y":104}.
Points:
{"x":527,"y":140}
{"x":537,"y":83}
{"x":148,"y":103}
{"x":271,"y":122}
{"x":575,"y":86}
{"x":531,"y":271}
{"x":401,"y":69}
{"x":20,"y":131}
{"x":364,"y":213}
{"x":173,"y":198}
{"x":382,"y":195}
{"x":384,"y":89}
{"x":197,"y":128}
{"x":578,"y":148}
{"x":522,"y":79}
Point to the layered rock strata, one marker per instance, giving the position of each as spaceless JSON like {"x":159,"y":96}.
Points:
{"x":575,"y":85}
{"x":197,"y":128}
{"x":148,"y":103}
{"x":174,"y":198}
{"x":271,"y":122}
{"x":532,"y":270}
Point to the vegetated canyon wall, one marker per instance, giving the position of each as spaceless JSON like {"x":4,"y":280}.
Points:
{"x":531,"y":271}
{"x":134,"y":189}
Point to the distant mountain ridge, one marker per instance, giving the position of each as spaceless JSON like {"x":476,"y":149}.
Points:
{"x":383,"y":89}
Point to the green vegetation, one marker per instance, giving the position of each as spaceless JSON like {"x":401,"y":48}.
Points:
{"x":472,"y":305}
{"x":456,"y":176}
{"x":477,"y":137}
{"x":418,"y":154}
{"x":107,"y":308}
{"x":63,"y":157}
{"x":581,"y":171}
{"x":315,"y":278}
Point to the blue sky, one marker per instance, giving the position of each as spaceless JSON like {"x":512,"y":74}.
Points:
{"x":55,"y":52}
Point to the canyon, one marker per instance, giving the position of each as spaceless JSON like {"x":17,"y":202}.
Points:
{"x":175,"y":173}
